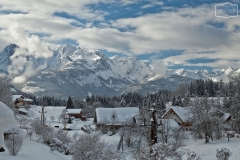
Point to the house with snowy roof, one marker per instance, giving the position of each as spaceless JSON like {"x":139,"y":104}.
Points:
{"x":180,"y":114}
{"x":21,"y":101}
{"x":224,"y":117}
{"x":76,"y":113}
{"x":116,"y":117}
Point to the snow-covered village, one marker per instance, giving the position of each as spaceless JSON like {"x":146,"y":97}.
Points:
{"x":152,"y":126}
{"x":119,"y":80}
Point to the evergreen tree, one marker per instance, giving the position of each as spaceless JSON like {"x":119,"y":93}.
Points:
{"x":174,"y":101}
{"x":69,"y":103}
{"x":87,"y":99}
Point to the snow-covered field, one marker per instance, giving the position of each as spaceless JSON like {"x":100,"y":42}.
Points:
{"x":208,"y":151}
{"x":33,"y":150}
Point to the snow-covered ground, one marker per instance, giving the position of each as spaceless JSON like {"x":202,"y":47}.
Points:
{"x":208,"y":151}
{"x":56,"y":111}
{"x":51,"y":111}
{"x":33,"y":150}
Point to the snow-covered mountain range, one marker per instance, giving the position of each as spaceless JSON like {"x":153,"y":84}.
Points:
{"x":78,"y":72}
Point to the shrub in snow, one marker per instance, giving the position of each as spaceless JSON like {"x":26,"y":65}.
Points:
{"x":57,"y":140}
{"x":164,"y":151}
{"x":159,"y":151}
{"x":36,"y":125}
{"x":223,"y":154}
{"x":14,"y":142}
{"x":90,"y":146}
{"x":192,"y":156}
{"x":62,"y":141}
{"x":44,"y":132}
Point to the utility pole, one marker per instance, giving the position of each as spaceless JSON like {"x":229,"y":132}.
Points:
{"x":153,"y":127}
{"x":42,"y":115}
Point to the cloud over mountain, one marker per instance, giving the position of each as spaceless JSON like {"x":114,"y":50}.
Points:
{"x":127,"y":27}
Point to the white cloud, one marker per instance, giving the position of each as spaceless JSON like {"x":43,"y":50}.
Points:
{"x":153,"y":3}
{"x":179,"y":29}
{"x":48,"y":7}
{"x":159,"y":67}
{"x":127,"y":2}
{"x":24,"y":60}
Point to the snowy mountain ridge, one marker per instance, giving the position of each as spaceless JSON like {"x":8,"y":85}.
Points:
{"x":78,"y":71}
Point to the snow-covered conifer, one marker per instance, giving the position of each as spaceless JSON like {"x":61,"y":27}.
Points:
{"x":69,"y":103}
{"x":223,"y":154}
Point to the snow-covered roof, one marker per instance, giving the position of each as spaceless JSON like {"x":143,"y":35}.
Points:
{"x":23,"y":110}
{"x":122,"y":115}
{"x":220,"y":114}
{"x":14,"y":97}
{"x":225,"y":116}
{"x":13,"y":90}
{"x":74,"y":111}
{"x":27,"y":100}
{"x":182,"y":112}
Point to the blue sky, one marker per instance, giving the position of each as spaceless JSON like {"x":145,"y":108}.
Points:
{"x":179,"y":33}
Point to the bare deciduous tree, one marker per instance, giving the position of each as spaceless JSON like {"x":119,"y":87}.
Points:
{"x":131,"y":135}
{"x":235,"y":102}
{"x":36,"y":125}
{"x":201,"y":119}
{"x":23,"y":121}
{"x":158,"y":151}
{"x":52,"y":118}
{"x":65,"y":140}
{"x":14,"y":142}
{"x":165,"y":131}
{"x":44,"y":132}
{"x":63,"y":117}
{"x":90,"y":146}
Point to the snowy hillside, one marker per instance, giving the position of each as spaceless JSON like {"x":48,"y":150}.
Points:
{"x":159,"y":82}
{"x":205,"y":74}
{"x":5,"y":57}
{"x":79,"y":71}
